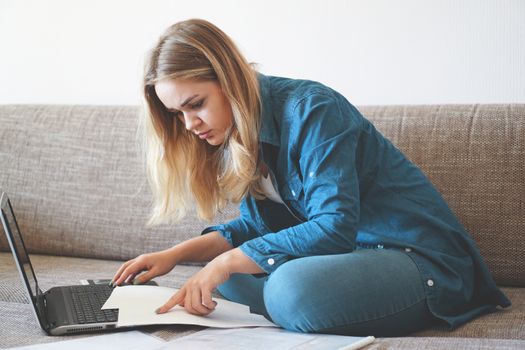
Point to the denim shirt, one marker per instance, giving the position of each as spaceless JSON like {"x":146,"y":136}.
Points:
{"x":345,"y":186}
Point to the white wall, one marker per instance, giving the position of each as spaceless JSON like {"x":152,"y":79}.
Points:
{"x":373,"y":51}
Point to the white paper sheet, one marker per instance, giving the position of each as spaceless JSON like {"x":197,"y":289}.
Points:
{"x":137,"y":305}
{"x":132,"y":340}
{"x":264,"y":339}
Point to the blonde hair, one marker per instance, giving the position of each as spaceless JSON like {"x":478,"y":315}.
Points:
{"x":181,"y":168}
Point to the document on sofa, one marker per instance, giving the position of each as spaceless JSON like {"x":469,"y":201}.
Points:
{"x":263,"y":339}
{"x":137,"y":305}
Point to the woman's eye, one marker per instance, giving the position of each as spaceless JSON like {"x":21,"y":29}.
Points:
{"x":197,"y":105}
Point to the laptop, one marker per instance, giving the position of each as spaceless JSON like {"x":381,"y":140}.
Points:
{"x":62,"y":309}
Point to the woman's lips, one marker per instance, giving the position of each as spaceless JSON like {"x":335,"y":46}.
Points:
{"x":204,"y":135}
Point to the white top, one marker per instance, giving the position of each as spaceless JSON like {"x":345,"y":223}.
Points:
{"x":269,"y":190}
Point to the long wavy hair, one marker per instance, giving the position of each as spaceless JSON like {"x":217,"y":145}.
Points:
{"x":182,"y":169}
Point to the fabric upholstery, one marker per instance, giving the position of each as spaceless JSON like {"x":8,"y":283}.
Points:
{"x":19,"y":326}
{"x":78,"y":186}
{"x":76,"y":180}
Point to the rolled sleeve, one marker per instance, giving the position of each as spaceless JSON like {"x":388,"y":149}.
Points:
{"x":223,"y":230}
{"x":259,"y":250}
{"x":237,"y":231}
{"x":322,"y":236}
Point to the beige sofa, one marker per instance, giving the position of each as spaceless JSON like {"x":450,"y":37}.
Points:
{"x":74,"y":176}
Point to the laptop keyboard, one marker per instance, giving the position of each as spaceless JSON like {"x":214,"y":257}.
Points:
{"x":88,"y":301}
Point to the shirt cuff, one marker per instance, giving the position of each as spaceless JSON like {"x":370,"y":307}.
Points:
{"x":256,"y":250}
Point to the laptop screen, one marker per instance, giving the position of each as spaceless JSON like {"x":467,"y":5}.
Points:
{"x":15,"y":238}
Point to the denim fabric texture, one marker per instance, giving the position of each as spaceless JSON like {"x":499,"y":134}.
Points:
{"x":381,"y":295}
{"x":344,"y":184}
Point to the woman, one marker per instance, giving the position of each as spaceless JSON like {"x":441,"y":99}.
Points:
{"x":339,"y":232}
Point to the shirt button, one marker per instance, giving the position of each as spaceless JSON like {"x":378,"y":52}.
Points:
{"x":380,"y":246}
{"x":311,"y":174}
{"x":408,"y":250}
{"x":293,"y":193}
{"x":430,"y":283}
{"x":271,"y":261}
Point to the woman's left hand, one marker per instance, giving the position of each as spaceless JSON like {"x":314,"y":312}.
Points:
{"x":195,"y":295}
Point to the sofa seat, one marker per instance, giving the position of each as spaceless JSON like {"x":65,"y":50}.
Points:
{"x":504,"y":329}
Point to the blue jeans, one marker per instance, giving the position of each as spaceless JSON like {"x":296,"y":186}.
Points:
{"x":375,"y":292}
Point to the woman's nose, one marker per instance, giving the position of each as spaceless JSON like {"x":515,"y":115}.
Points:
{"x":191,"y":121}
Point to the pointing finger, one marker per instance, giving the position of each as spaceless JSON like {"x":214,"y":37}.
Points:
{"x":174,"y":300}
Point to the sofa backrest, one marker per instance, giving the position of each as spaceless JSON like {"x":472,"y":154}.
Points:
{"x":74,"y":176}
{"x":76,"y":181}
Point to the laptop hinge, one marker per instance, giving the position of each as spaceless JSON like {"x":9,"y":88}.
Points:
{"x":41,"y":304}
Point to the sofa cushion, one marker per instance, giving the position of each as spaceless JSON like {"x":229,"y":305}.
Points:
{"x":20,"y":327}
{"x":445,"y":343}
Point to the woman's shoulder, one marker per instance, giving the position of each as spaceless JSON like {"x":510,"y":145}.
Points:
{"x":301,"y":104}
{"x":291,"y":96}
{"x":296,"y":89}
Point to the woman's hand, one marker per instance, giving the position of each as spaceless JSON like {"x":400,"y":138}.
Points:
{"x":155,"y":264}
{"x":196,"y":249}
{"x":195,"y":295}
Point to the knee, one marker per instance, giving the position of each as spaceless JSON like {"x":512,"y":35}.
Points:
{"x":285,"y":298}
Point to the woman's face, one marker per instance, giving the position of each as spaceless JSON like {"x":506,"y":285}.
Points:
{"x":200,"y":105}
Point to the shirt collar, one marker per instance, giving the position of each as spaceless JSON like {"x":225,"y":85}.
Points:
{"x":268,"y":132}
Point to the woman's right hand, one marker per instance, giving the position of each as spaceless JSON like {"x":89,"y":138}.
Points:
{"x":155,"y":264}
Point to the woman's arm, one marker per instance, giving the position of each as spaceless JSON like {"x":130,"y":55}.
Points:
{"x":199,"y":249}
{"x":235,"y":261}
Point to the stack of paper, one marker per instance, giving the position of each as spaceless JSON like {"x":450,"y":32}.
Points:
{"x":263,"y":339}
{"x":137,"y":305}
